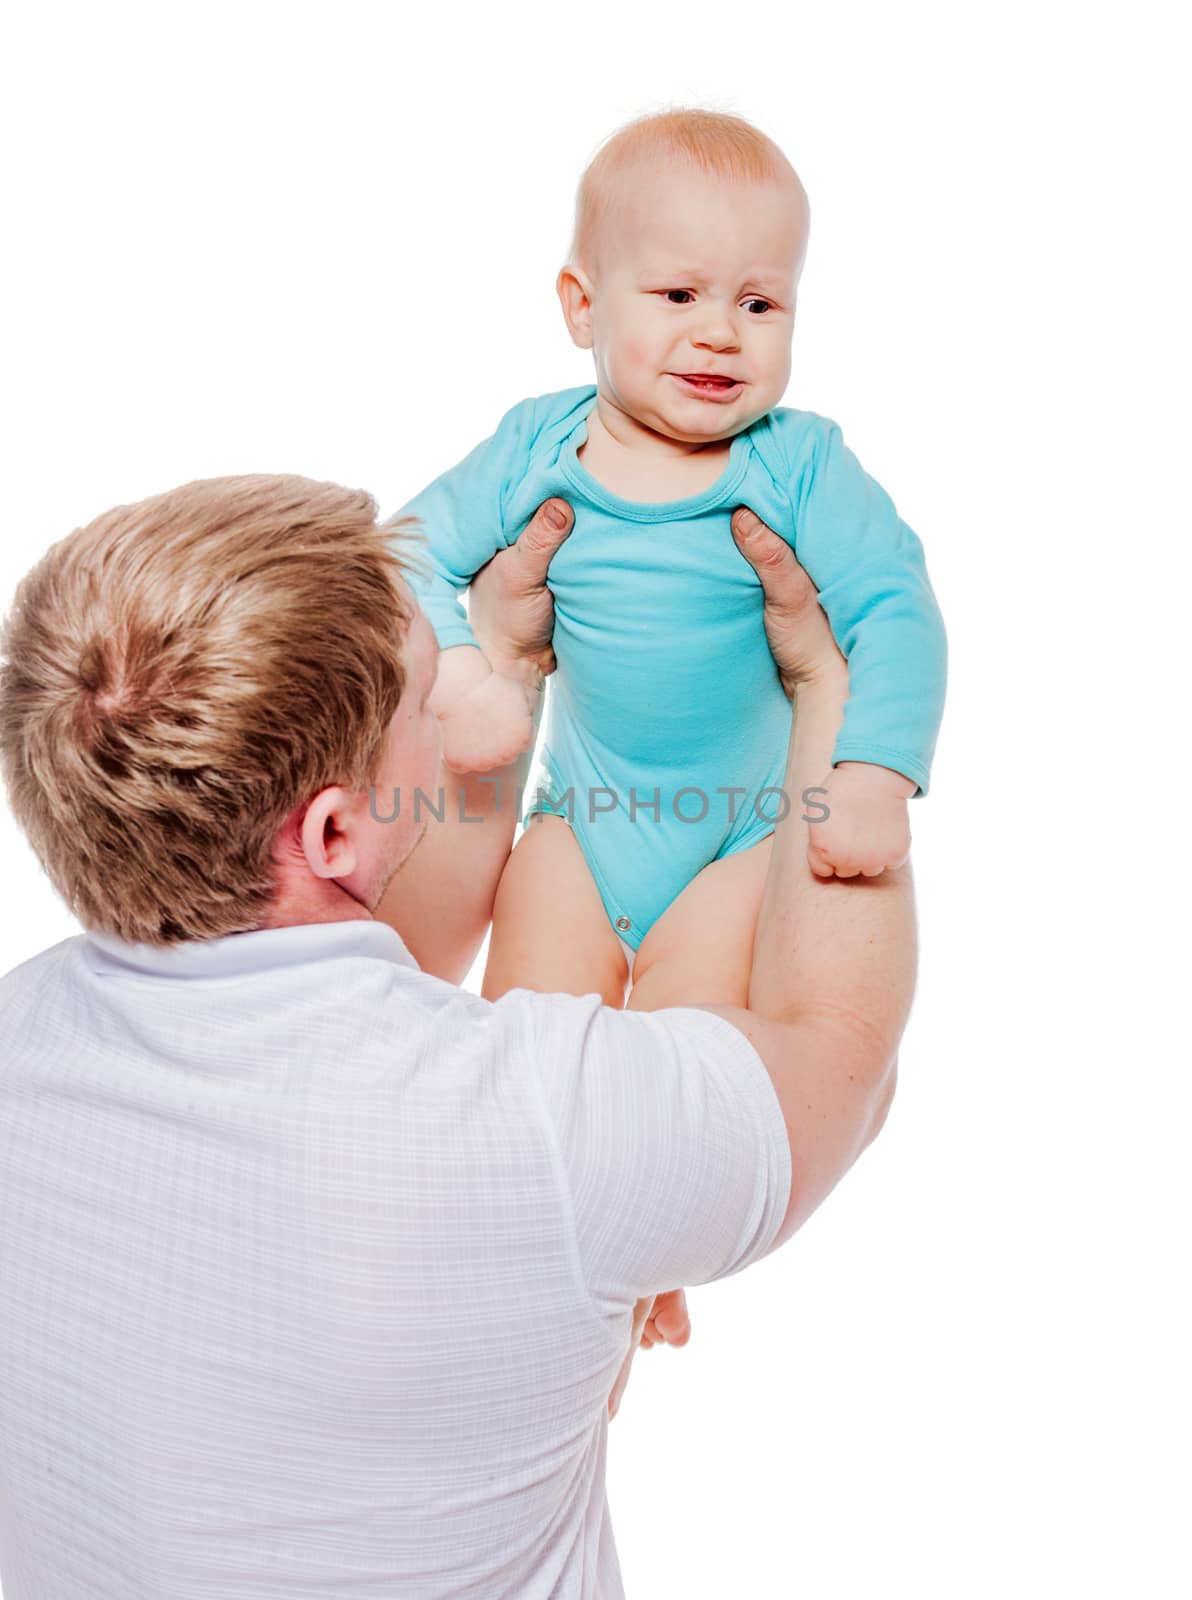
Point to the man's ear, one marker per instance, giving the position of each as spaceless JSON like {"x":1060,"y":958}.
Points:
{"x":329,"y":849}
{"x":574,"y":290}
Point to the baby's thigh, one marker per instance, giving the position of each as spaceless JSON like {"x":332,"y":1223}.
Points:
{"x":700,"y":951}
{"x":550,"y":931}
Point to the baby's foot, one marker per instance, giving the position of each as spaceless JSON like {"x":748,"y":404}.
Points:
{"x":668,"y":1322}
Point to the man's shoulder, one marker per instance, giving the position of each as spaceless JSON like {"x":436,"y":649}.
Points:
{"x":30,"y":976}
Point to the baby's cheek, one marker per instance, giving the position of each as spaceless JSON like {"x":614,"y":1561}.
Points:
{"x":634,"y":353}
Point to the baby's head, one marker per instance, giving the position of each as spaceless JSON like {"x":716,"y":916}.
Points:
{"x":690,"y":233}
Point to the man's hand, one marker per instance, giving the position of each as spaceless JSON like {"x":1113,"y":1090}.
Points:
{"x":800,"y":639}
{"x":510,"y":608}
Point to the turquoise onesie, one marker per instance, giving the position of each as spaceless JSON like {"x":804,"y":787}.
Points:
{"x":667,"y":724}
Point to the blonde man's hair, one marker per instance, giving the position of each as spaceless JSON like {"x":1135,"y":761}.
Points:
{"x":716,"y":142}
{"x":181,"y":674}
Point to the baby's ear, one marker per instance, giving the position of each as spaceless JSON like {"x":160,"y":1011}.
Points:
{"x":575,"y":296}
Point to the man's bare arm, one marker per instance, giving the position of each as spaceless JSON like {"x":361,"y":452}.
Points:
{"x":441,"y":900}
{"x":834,"y":960}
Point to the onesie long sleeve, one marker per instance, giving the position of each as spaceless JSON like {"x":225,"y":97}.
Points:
{"x":464,"y":518}
{"x":664,"y":673}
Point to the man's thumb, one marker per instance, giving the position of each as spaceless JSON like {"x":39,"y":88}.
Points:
{"x":543,"y":535}
{"x":745,"y":523}
{"x":759,"y":544}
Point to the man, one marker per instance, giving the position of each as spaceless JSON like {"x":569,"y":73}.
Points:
{"x":316,"y":1271}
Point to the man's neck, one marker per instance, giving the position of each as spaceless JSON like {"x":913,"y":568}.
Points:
{"x":319,"y":900}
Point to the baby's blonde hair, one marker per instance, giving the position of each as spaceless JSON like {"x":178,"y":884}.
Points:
{"x":714,"y":141}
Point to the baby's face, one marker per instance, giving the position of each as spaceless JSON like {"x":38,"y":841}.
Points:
{"x":696,"y":275}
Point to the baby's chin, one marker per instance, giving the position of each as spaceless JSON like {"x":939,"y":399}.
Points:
{"x":705,"y":422}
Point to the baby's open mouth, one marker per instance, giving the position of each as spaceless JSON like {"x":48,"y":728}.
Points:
{"x":708,"y":382}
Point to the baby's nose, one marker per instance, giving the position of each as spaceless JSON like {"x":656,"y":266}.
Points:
{"x":717,"y":332}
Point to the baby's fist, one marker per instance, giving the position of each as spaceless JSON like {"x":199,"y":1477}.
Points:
{"x":489,"y":726}
{"x":867,"y":828}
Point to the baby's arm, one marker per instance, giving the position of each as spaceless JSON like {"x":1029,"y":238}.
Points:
{"x":872,"y":579}
{"x":487,"y":718}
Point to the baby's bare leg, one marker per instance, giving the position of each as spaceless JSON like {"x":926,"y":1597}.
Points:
{"x":550,"y":930}
{"x":700,"y":951}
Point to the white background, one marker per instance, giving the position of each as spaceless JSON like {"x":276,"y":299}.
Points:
{"x":324,"y":239}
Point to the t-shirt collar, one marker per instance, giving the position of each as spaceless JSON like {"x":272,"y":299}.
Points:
{"x":237,"y":954}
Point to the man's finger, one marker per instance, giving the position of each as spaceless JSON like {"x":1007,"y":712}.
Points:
{"x":762,"y":548}
{"x":758,"y":543}
{"x":542,"y":536}
{"x":745,"y":522}
{"x":772,"y":559}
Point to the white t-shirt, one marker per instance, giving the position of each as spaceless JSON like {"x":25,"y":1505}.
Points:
{"x":316,"y":1271}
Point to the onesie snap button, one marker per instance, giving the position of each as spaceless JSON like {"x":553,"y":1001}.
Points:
{"x":622,"y":922}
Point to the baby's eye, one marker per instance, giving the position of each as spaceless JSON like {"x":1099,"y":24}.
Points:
{"x":754,"y":301}
{"x":670,"y":292}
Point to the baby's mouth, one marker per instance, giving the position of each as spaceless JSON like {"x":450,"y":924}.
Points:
{"x":708,"y":383}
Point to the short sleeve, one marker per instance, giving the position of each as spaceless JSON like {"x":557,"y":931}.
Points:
{"x":671,"y":1141}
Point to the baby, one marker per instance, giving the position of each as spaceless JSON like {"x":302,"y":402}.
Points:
{"x":667,"y":724}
